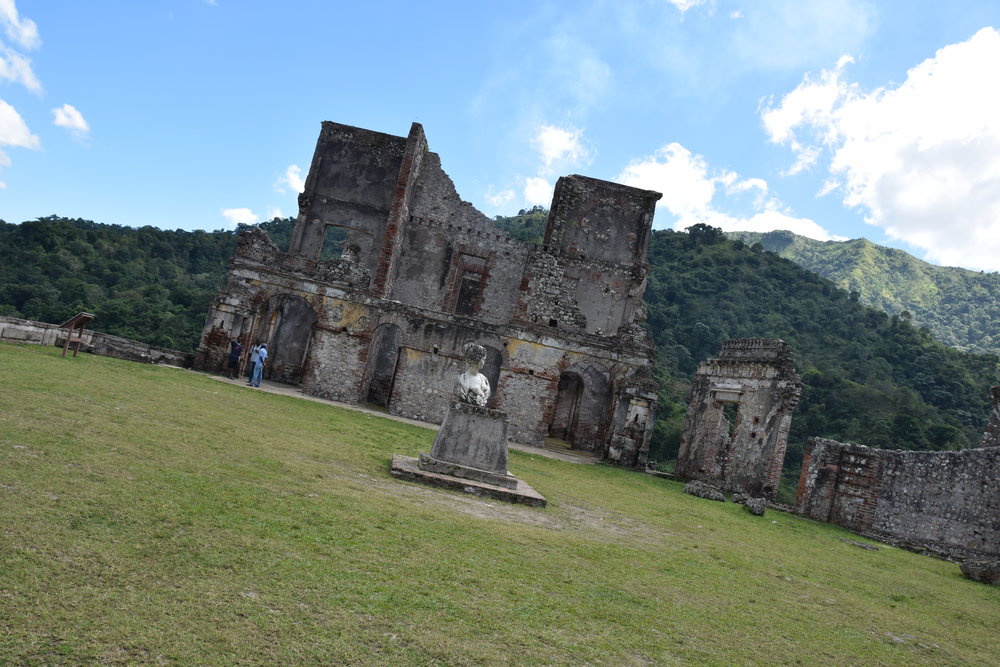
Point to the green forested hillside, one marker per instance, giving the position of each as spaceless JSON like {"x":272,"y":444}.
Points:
{"x":869,"y":377}
{"x":527,"y":226}
{"x":147,"y":284}
{"x":960,"y":307}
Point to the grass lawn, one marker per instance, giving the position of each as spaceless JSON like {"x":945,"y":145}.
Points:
{"x":155,"y":515}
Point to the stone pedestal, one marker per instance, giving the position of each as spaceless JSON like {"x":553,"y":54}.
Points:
{"x":471,"y":444}
{"x":470,"y":455}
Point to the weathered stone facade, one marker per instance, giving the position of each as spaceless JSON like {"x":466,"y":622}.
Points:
{"x":741,"y":451}
{"x":423,"y":272}
{"x":945,"y":502}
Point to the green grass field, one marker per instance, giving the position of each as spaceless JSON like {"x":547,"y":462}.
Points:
{"x":155,"y":515}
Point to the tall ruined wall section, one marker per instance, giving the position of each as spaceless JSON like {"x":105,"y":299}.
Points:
{"x":454,"y":259}
{"x":743,"y":451}
{"x":590,"y":274}
{"x":945,"y":502}
{"x":423,"y":272}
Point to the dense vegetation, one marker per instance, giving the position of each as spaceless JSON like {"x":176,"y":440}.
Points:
{"x":527,"y":226}
{"x":868,"y":377}
{"x":960,"y":307}
{"x":147,"y":284}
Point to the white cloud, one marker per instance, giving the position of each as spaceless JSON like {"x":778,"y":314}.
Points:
{"x":16,"y":67}
{"x":500,"y":198}
{"x":921,"y":159}
{"x":684,"y":5}
{"x":537,"y":191}
{"x":239,"y":216}
{"x":787,"y":35}
{"x":69,"y":117}
{"x":690,"y":190}
{"x":559,"y":146}
{"x":22,"y":31}
{"x":292,"y":178}
{"x":274,"y":212}
{"x":13,"y":130}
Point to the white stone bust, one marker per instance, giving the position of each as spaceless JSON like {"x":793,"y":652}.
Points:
{"x":472,"y":386}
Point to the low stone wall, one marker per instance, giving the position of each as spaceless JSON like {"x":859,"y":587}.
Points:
{"x":14,"y":330}
{"x":947,"y":503}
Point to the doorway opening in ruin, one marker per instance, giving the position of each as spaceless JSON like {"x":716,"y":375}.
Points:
{"x":286,"y":325}
{"x":567,"y":411}
{"x":381,"y":369}
{"x":582,"y":405}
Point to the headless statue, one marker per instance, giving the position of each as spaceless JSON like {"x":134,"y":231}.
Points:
{"x":472,"y":386}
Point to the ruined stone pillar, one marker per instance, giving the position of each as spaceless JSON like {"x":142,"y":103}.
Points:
{"x":739,"y":417}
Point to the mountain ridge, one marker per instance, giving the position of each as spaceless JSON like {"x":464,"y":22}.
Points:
{"x":959,"y":306}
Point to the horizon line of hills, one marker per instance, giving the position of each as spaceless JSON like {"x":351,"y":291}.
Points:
{"x":892,"y":376}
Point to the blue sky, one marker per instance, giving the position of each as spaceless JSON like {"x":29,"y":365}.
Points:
{"x":833,"y":118}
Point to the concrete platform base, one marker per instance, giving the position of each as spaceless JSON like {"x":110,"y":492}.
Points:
{"x":405,"y":467}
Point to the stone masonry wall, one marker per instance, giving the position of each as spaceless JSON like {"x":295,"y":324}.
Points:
{"x":423,"y":272}
{"x":945,"y":502}
{"x":15,"y":330}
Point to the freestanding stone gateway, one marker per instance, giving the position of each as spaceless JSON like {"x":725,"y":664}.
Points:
{"x":470,"y":450}
{"x":737,"y":423}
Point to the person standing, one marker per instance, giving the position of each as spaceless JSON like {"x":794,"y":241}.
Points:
{"x":235,"y":347}
{"x":258,"y":369}
{"x":252,"y":362}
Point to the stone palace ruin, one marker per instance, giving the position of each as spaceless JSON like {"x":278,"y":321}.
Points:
{"x":422,"y":273}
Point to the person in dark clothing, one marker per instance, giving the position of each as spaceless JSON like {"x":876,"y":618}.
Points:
{"x":235,"y":347}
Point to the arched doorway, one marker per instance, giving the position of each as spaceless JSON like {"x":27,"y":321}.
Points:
{"x":381,"y":369}
{"x":287,"y":327}
{"x":581,"y":409}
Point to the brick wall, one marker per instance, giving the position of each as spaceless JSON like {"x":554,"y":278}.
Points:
{"x":945,"y":502}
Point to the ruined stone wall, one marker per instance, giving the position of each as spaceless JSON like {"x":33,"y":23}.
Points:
{"x":591,"y":271}
{"x":351,"y":184}
{"x":945,"y":502}
{"x":745,"y":453}
{"x":15,"y":330}
{"x":422,"y":273}
{"x":467,"y":270}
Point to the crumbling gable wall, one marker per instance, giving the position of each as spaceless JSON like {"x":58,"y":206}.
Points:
{"x":945,"y":502}
{"x":422,"y":273}
{"x":591,"y":273}
{"x":743,"y":451}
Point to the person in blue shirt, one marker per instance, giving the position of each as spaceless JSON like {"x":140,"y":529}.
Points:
{"x":258,"y":369}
